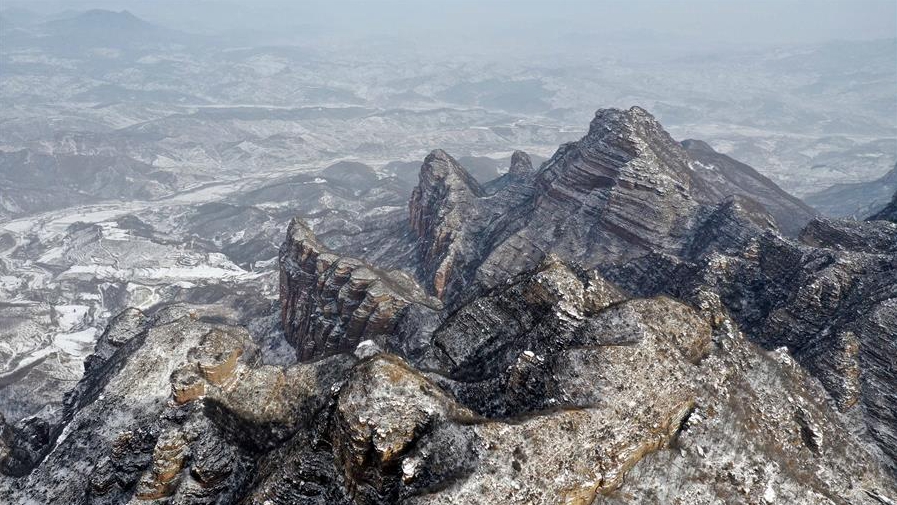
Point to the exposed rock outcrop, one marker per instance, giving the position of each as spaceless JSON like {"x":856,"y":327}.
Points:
{"x":179,"y":412}
{"x":599,"y":388}
{"x":874,"y":236}
{"x":833,"y":305}
{"x":329,"y":303}
{"x":444,"y":210}
{"x":624,"y":190}
{"x":621,"y":191}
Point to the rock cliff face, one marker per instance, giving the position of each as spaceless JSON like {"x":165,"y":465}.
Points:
{"x":832,"y":304}
{"x":330,"y":303}
{"x":444,"y":210}
{"x":613,"y":328}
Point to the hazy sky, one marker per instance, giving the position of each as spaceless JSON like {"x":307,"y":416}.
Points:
{"x":704,"y":25}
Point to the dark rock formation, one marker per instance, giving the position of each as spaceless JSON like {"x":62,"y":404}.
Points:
{"x":329,"y":304}
{"x":831,"y":305}
{"x":627,"y":191}
{"x":521,"y":165}
{"x":601,"y":388}
{"x":519,"y":173}
{"x":874,"y":236}
{"x":444,"y":210}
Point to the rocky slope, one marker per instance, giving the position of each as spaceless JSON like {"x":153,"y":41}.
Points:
{"x":726,"y":176}
{"x":888,"y":213}
{"x":609,"y":328}
{"x":553,"y":389}
{"x":831,"y":301}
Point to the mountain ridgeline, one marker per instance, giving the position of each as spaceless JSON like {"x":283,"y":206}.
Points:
{"x":638,"y":320}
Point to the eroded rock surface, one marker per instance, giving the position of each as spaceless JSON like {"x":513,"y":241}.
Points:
{"x":832,"y":304}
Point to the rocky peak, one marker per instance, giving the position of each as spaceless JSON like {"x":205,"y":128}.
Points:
{"x":619,"y":192}
{"x":441,"y":171}
{"x":521,"y":165}
{"x":626,"y":189}
{"x":443,"y":207}
{"x":619,"y":137}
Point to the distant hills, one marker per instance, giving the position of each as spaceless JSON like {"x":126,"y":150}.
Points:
{"x":857,"y":200}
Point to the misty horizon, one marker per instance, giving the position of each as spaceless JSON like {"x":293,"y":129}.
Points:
{"x":511,"y":29}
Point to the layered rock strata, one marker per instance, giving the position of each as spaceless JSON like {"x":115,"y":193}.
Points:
{"x":329,"y":303}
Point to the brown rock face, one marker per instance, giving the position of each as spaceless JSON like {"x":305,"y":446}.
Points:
{"x":329,"y":304}
{"x":443,"y":207}
{"x":168,"y":461}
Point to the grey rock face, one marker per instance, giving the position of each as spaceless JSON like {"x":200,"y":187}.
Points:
{"x":329,"y":304}
{"x":444,"y":209}
{"x":831,"y":305}
{"x":620,"y":191}
{"x":873,"y":236}
{"x":521,"y":165}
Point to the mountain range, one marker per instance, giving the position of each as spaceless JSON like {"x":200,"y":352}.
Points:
{"x":636,"y":320}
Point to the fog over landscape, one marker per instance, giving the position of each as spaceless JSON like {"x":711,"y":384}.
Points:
{"x":156,"y":153}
